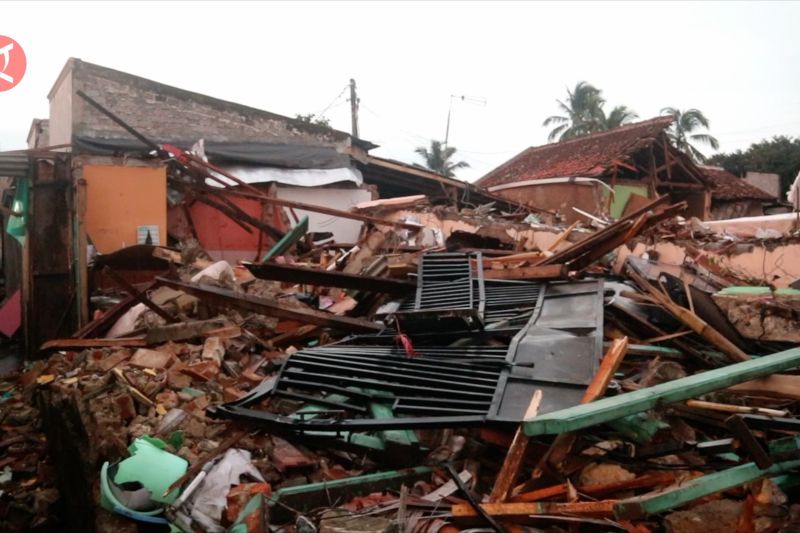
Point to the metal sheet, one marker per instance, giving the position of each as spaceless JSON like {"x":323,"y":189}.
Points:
{"x":557,"y":348}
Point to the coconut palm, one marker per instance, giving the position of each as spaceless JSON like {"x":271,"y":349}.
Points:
{"x":680,"y":132}
{"x":619,"y":116}
{"x":582,"y":113}
{"x":438,"y":158}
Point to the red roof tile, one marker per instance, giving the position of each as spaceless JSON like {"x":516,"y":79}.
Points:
{"x":586,"y":156}
{"x":726,"y":186}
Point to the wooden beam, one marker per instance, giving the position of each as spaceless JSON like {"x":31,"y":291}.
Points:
{"x":562,"y":445}
{"x":563,"y":235}
{"x":623,"y":164}
{"x":69,"y":344}
{"x":597,"y":489}
{"x":308,"y":207}
{"x":607,"y":409}
{"x":691,"y":320}
{"x":596,"y":243}
{"x":133,"y":291}
{"x":531,"y":272}
{"x":667,"y":162}
{"x":511,"y":511}
{"x":226,"y":298}
{"x":106,"y":321}
{"x":516,"y":454}
{"x":324,"y":278}
{"x":775,"y":386}
{"x":515,"y":258}
{"x":326,"y":493}
{"x":688,"y":491}
{"x":740,"y":409}
{"x":608,"y":367}
{"x":679,"y":185}
{"x":748,"y":441}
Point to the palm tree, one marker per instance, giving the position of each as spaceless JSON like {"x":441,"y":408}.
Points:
{"x":619,"y":116}
{"x":437,"y":158}
{"x":584,"y":113}
{"x":581,"y":112}
{"x":680,"y":132}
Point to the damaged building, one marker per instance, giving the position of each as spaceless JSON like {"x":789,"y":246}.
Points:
{"x":603,"y":174}
{"x":237,"y":321}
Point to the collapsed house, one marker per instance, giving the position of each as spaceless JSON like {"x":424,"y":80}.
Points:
{"x":95,"y":189}
{"x":236,"y":321}
{"x":603,"y":174}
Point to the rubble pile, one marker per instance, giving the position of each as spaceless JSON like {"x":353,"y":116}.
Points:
{"x":466,"y":378}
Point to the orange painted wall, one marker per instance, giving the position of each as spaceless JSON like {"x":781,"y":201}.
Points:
{"x":119,"y":199}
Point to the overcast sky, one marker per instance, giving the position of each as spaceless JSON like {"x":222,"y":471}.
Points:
{"x":737,"y":62}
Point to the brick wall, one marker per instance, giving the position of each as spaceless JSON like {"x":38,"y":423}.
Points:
{"x":170,"y":114}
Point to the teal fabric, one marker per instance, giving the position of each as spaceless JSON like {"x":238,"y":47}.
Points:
{"x":17,"y":224}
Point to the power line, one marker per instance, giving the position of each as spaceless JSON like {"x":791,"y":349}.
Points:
{"x":333,"y":101}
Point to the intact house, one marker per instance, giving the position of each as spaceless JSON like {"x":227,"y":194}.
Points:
{"x":733,"y":197}
{"x":604,"y":174}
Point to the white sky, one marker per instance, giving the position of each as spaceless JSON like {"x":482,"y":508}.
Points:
{"x":737,"y":62}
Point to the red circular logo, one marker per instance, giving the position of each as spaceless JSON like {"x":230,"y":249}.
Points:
{"x":12,"y":63}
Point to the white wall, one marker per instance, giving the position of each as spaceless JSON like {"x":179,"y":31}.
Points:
{"x":344,"y":230}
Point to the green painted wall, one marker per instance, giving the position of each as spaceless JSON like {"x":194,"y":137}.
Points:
{"x":621,"y":195}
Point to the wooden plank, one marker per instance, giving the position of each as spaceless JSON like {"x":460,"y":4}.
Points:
{"x":324,"y":278}
{"x":602,"y":236}
{"x":531,"y":272}
{"x":740,"y":409}
{"x":691,"y":320}
{"x":186,"y":330}
{"x":597,"y":489}
{"x":329,"y":493}
{"x":688,"y":491}
{"x":515,"y":258}
{"x":607,"y":409}
{"x":133,"y":291}
{"x":68,"y":344}
{"x":516,"y":454}
{"x":748,"y":441}
{"x":288,"y":240}
{"x":510,"y":511}
{"x":608,"y":367}
{"x":563,"y":235}
{"x":774,"y":386}
{"x":104,"y":323}
{"x":263,"y":306}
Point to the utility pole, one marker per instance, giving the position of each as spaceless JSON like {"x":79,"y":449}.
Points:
{"x":479,"y":100}
{"x":354,"y":107}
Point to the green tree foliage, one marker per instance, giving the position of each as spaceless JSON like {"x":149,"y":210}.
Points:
{"x":780,"y":155}
{"x":682,"y":135}
{"x":439,"y":158}
{"x":583,"y":112}
{"x":311,"y":118}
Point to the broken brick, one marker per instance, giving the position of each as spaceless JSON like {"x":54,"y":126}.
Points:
{"x":286,"y":456}
{"x":145,"y":358}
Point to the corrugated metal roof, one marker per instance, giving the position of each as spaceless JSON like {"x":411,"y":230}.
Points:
{"x":13,"y":165}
